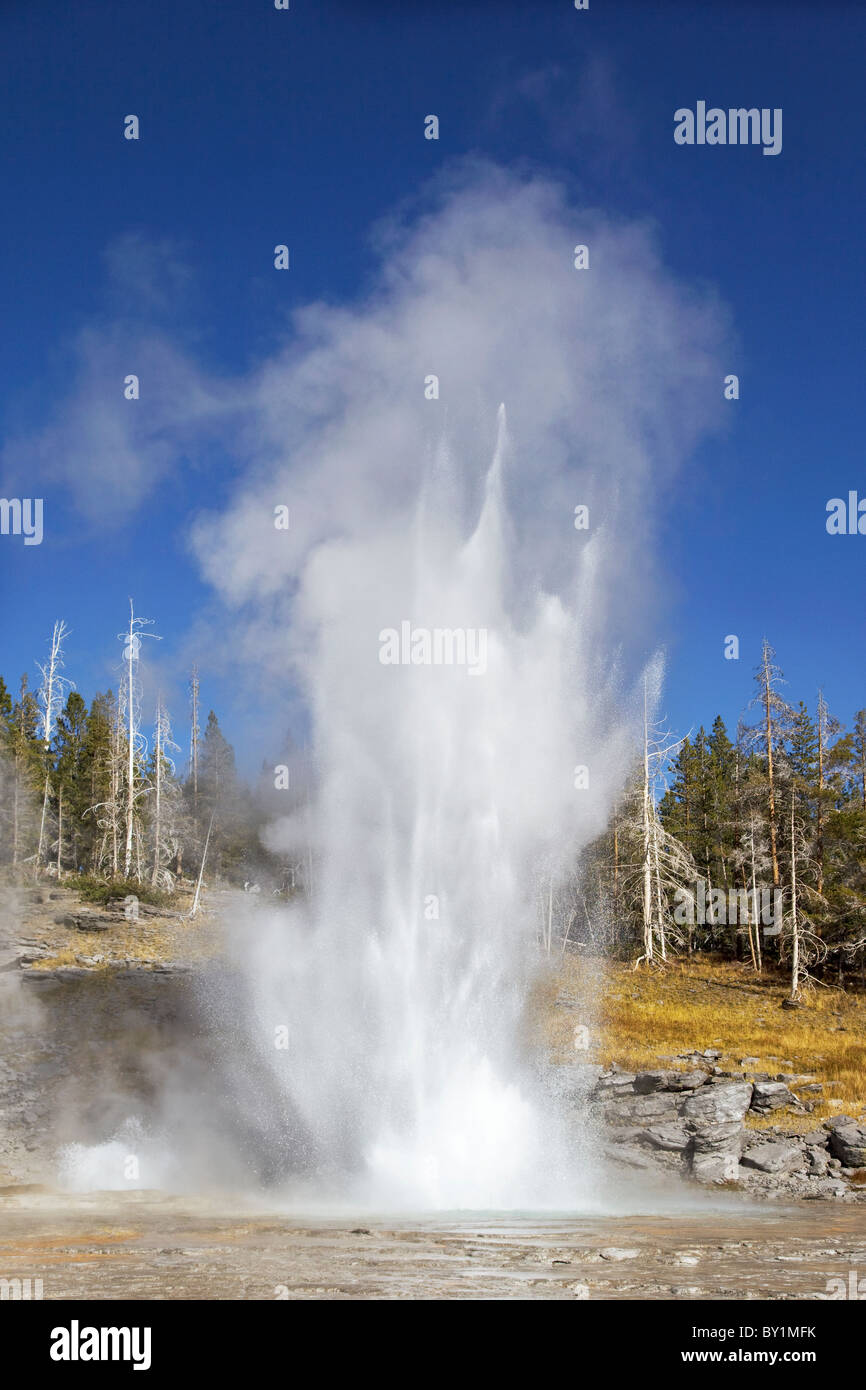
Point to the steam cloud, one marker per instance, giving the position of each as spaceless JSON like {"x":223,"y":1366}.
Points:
{"x":404,"y":1073}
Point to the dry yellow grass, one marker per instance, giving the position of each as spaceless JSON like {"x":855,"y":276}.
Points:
{"x":643,"y":1019}
{"x":153,"y":940}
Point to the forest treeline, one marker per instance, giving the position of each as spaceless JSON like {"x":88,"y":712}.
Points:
{"x":752,"y":845}
{"x":102,"y":790}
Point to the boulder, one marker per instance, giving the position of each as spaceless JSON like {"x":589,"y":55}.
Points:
{"x":782,"y":1157}
{"x":715,"y":1167}
{"x":720,"y":1103}
{"x":815,"y":1139}
{"x":771,"y":1095}
{"x":726,"y":1137}
{"x":84,"y":921}
{"x":615,"y":1083}
{"x":648,"y":1081}
{"x":688,"y":1080}
{"x":848,"y":1144}
{"x":662,"y":1105}
{"x":671,"y":1138}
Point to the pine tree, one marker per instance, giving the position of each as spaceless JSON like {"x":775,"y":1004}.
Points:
{"x":96,"y":777}
{"x":5,"y":708}
{"x":24,"y":765}
{"x":723,"y":768}
{"x":70,"y":778}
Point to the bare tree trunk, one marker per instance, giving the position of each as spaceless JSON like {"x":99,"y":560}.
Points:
{"x":158,"y":796}
{"x":115,"y":792}
{"x":760,"y":963}
{"x":15,"y":796}
{"x":193,"y":747}
{"x":197,"y":898}
{"x":819,"y":838}
{"x":772,"y":798}
{"x":647,"y":867}
{"x":42,"y":821}
{"x":795,"y":929}
{"x":130,"y":744}
{"x":659,"y":911}
{"x":51,"y":692}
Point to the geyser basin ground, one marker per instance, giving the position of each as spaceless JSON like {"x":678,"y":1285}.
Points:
{"x":147,"y":1246}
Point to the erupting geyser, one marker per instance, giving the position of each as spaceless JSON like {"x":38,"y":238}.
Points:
{"x":464,"y":650}
{"x":443,"y":790}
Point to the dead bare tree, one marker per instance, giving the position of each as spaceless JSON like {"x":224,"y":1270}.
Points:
{"x":136,"y":744}
{"x":165,"y":799}
{"x":52,"y":693}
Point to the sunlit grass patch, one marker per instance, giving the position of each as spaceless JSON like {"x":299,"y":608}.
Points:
{"x":644,"y":1020}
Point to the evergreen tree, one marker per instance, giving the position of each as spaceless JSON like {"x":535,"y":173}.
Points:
{"x":858,"y":755}
{"x":22,"y":776}
{"x":69,"y":780}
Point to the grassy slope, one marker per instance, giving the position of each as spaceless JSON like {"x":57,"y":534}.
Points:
{"x":642,"y":1020}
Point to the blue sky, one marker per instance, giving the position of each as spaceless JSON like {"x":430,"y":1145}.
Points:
{"x":261,"y":126}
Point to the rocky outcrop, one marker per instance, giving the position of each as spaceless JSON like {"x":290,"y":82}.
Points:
{"x":781,"y":1157}
{"x":848,"y":1141}
{"x":693,"y":1123}
{"x":771,"y":1095}
{"x":719,"y":1103}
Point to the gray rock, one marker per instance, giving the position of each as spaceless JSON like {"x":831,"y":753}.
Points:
{"x":671,"y":1138}
{"x":631,"y":1158}
{"x":725,"y":1138}
{"x":616,"y":1083}
{"x":688,"y":1080}
{"x":715,"y":1168}
{"x":848,"y":1144}
{"x":85,"y":921}
{"x":774,"y":1158}
{"x":815,"y":1139}
{"x":662,"y":1105}
{"x":818,"y":1166}
{"x":624,"y":1134}
{"x":648,"y":1081}
{"x":771,"y":1095}
{"x":720,"y":1103}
